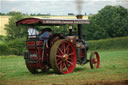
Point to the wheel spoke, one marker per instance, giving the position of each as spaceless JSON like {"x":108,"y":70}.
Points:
{"x":61,"y":67}
{"x":59,"y":56}
{"x":69,"y":58}
{"x":71,"y":54}
{"x":63,"y":57}
{"x":67,"y":47}
{"x":94,"y":60}
{"x":60,"y":62}
{"x":58,"y":59}
{"x":95,"y":65}
{"x":64,"y":47}
{"x":60,"y":51}
{"x":68,"y":51}
{"x":70,"y":62}
{"x":66,"y":67}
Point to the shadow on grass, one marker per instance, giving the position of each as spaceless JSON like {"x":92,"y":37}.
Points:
{"x":51,"y":71}
{"x":78,"y":69}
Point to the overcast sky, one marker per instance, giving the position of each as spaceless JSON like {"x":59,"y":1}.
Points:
{"x":57,"y":7}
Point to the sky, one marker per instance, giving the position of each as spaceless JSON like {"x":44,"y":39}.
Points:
{"x":58,"y":7}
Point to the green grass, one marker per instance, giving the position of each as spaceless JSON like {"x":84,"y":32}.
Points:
{"x":113,"y":67}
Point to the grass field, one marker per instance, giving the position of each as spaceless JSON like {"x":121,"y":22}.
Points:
{"x":113,"y":71}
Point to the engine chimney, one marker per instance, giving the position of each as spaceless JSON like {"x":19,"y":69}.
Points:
{"x":79,"y":16}
{"x":79,"y":27}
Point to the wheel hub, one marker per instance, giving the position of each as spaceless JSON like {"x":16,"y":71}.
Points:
{"x":94,"y":61}
{"x":65,"y":57}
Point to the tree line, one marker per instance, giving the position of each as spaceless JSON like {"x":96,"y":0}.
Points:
{"x":109,"y":22}
{"x":11,"y":13}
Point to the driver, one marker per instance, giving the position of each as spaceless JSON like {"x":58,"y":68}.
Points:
{"x":45,"y":34}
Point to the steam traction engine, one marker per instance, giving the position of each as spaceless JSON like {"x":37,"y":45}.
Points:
{"x":63,"y":52}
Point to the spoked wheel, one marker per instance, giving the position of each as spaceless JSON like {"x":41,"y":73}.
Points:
{"x":31,"y":68}
{"x":94,"y":60}
{"x":63,"y":57}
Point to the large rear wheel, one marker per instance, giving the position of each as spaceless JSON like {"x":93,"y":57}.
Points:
{"x":63,"y":57}
{"x":31,"y":67}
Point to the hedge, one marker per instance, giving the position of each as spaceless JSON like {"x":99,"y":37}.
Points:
{"x":107,"y":44}
{"x":4,"y":50}
{"x":13,"y":47}
{"x":17,"y":46}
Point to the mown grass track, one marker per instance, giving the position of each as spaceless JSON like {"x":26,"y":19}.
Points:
{"x":113,"y":70}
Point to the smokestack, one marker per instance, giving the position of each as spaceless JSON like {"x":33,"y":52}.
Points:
{"x":79,"y":26}
{"x":80,"y":16}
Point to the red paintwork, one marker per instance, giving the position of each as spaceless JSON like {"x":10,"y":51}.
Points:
{"x":96,"y":60}
{"x":38,"y":50}
{"x":82,"y":53}
{"x":67,"y":64}
{"x":66,"y":49}
{"x":28,"y":21}
{"x":35,"y":50}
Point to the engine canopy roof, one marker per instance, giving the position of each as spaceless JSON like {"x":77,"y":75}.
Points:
{"x":47,"y":22}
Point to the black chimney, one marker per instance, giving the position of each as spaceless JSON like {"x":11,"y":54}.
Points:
{"x":79,"y":27}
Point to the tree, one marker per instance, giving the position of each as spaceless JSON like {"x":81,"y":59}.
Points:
{"x":114,"y":19}
{"x":2,"y":14}
{"x":13,"y":31}
{"x":111,"y":21}
{"x":13,"y":13}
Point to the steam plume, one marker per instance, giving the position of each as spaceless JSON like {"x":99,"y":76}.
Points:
{"x":79,"y":4}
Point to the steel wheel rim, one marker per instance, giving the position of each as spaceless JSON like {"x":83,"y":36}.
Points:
{"x":65,"y":57}
{"x":59,"y":61}
{"x":95,"y":60}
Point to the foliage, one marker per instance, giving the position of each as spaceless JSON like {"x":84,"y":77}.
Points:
{"x":17,"y":46}
{"x":13,"y":47}
{"x":111,"y":21}
{"x":2,"y":14}
{"x":4,"y":50}
{"x":108,"y":44}
{"x":56,"y":29}
{"x":2,"y":38}
{"x":14,"y":13}
{"x":12,"y":30}
{"x":39,"y":14}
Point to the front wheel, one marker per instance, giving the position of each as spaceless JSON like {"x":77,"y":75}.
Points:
{"x":63,"y":57}
{"x":94,"y":60}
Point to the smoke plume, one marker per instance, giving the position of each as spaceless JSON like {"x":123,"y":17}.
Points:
{"x":79,"y":4}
